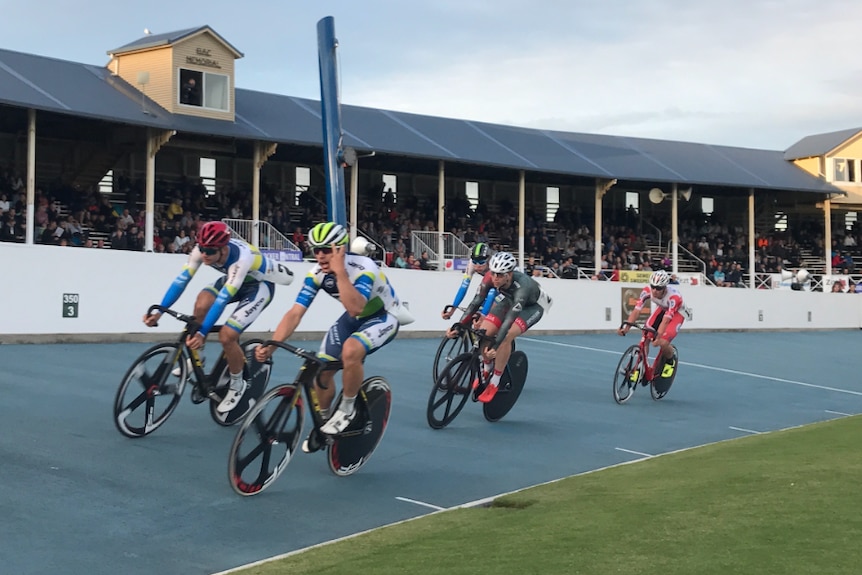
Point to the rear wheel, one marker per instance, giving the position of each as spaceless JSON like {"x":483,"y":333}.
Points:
{"x":451,"y":390}
{"x":266,"y":441}
{"x":511,"y":384}
{"x":661,"y":385}
{"x":629,"y":373}
{"x":352,"y":449}
{"x":257,"y":374}
{"x":149,"y":392}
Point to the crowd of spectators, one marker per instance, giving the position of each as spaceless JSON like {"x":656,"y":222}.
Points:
{"x":558,"y":249}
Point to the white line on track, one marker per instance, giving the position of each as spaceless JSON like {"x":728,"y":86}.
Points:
{"x":422,"y":503}
{"x":721,"y":369}
{"x":839,"y":413}
{"x":742,"y":429}
{"x":633,"y":452}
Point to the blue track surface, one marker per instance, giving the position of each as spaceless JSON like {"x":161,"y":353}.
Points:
{"x":79,"y":498}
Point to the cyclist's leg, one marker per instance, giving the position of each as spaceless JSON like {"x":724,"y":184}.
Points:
{"x":370,"y":335}
{"x":491,"y":324}
{"x":527,"y":317}
{"x":670,"y":333}
{"x":253,"y":299}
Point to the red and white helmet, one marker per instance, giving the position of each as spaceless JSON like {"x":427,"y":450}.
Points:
{"x":214,"y":235}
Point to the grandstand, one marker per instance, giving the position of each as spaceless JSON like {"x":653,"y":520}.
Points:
{"x":99,"y":140}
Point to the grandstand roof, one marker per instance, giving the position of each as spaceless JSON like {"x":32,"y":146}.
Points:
{"x":76,"y":89}
{"x":819,"y":144}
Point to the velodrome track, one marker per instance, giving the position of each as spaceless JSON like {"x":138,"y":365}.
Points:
{"x":78,"y":498}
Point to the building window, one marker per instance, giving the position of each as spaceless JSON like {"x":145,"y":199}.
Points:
{"x":472,"y":191}
{"x":849,"y":220}
{"x":845,"y":170}
{"x":106,"y":184}
{"x":707,"y":205}
{"x":633,"y":200}
{"x":208,"y":175}
{"x":303,"y":182}
{"x":780,"y":222}
{"x":390,"y":184}
{"x":204,"y":89}
{"x":552,"y":202}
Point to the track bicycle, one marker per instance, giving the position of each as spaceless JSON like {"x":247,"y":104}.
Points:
{"x":450,"y":348}
{"x":154,"y":384}
{"x":454,"y":384}
{"x":267,"y":439}
{"x":635,"y":368}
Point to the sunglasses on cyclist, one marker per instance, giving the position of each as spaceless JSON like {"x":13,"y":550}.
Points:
{"x":321,"y":250}
{"x":480,"y":262}
{"x":499,"y":274}
{"x":210,"y":251}
{"x":658,"y":288}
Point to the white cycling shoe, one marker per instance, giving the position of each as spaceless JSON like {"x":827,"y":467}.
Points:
{"x":339,"y":421}
{"x":232,"y":398}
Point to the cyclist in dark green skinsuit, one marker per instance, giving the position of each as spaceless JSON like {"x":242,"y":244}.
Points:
{"x":519,"y":305}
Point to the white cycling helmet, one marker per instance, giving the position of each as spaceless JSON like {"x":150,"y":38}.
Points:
{"x":659,"y":279}
{"x":502,"y":262}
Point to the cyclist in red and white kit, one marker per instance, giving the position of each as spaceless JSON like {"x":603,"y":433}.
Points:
{"x":667,"y":317}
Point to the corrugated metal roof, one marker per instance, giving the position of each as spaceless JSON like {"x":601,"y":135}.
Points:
{"x":166,"y":39}
{"x":819,"y":144}
{"x":91,"y":91}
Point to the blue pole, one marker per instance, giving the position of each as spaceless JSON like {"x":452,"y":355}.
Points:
{"x":331,"y":111}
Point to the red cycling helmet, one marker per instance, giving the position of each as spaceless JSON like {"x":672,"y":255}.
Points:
{"x":213,"y":235}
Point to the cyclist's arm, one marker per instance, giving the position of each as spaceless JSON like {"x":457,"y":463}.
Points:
{"x":236,"y":275}
{"x":478,"y":299}
{"x":489,"y":301}
{"x":642,"y":298}
{"x":179,"y":285}
{"x":462,"y":290}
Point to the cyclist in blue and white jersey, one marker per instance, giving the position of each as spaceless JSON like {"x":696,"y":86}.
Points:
{"x":478,"y":264}
{"x":370,"y":319}
{"x":249,"y":279}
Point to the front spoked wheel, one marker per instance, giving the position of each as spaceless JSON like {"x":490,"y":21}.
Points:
{"x":628,"y":374}
{"x":449,"y":349}
{"x":451,"y":390}
{"x":266,"y":440}
{"x":352,"y":449}
{"x":661,"y":385}
{"x":149,"y":392}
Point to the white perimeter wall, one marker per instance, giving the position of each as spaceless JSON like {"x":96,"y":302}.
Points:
{"x":116,"y":287}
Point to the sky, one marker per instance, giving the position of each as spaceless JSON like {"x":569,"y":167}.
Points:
{"x":747,"y":73}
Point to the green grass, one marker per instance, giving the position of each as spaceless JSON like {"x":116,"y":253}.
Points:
{"x":783,"y":503}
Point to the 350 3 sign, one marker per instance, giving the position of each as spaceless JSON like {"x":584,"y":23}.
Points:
{"x":70,"y":304}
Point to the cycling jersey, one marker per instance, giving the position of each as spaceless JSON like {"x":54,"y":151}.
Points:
{"x":377,"y":323}
{"x":671,"y":301}
{"x":522,"y":301}
{"x":244,"y":265}
{"x":365,"y":276}
{"x":670,"y":305}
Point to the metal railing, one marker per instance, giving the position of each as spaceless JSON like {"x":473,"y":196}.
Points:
{"x":453,"y":247}
{"x":269,"y":238}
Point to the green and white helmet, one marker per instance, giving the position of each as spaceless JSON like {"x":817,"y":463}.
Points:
{"x":326,"y":234}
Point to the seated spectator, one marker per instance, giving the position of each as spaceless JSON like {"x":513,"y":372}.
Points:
{"x":423,"y":261}
{"x":718,"y":275}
